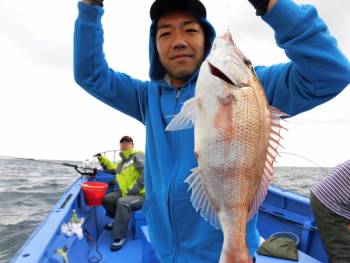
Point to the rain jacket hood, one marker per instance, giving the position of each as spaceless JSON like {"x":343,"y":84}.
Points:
{"x":126,"y":154}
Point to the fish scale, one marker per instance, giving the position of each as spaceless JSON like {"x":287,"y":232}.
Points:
{"x":236,"y":138}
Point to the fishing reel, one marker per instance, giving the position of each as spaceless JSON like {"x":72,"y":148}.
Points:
{"x":89,"y":173}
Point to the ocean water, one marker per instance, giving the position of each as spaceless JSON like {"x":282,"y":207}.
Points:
{"x":29,"y":190}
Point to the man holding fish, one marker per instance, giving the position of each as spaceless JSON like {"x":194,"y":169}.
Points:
{"x":227,"y":133}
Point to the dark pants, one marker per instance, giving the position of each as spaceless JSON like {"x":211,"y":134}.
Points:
{"x":334,"y":231}
{"x":121,"y":208}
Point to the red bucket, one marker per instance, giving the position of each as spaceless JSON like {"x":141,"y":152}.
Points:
{"x":94,"y":192}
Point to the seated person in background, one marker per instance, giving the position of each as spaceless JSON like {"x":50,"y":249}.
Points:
{"x":330,"y":202}
{"x":130,"y":197}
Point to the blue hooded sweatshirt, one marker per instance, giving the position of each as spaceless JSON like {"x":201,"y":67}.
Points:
{"x":318,"y":71}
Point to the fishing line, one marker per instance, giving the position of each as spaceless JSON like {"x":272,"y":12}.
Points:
{"x":307,"y":159}
{"x":228,"y":15}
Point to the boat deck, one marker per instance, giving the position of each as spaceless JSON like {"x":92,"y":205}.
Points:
{"x":131,"y":252}
{"x":43,"y":244}
{"x":146,"y":252}
{"x":303,"y":258}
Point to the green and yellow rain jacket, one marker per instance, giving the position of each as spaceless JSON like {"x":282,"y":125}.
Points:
{"x":129,"y":171}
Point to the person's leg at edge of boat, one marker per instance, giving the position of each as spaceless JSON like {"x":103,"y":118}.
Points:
{"x":334,"y":231}
{"x":125,"y":207}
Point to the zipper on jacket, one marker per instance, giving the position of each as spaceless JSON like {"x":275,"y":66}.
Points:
{"x":178,"y":93}
{"x":171,"y":219}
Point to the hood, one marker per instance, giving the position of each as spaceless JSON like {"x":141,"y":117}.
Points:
{"x":157,"y":71}
{"x":127,"y":153}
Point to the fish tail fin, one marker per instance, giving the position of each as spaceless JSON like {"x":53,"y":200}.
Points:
{"x":228,"y":256}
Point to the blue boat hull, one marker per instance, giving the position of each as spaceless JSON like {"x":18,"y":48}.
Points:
{"x":281,"y":211}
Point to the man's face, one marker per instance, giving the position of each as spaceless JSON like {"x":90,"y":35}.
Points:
{"x":126,"y":146}
{"x":180,"y":43}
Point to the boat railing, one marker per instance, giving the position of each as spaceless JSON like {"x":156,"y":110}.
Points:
{"x":112,"y":155}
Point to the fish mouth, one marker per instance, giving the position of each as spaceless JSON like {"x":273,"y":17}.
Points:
{"x":218,"y":73}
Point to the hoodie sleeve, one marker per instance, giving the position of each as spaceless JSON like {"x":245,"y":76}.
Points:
{"x":91,"y":70}
{"x":318,"y":70}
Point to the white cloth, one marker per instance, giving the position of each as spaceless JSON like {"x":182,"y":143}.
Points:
{"x":70,"y":229}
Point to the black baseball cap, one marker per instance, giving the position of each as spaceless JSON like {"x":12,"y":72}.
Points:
{"x":161,"y":7}
{"x":126,"y":139}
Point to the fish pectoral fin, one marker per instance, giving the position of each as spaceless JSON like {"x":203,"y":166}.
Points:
{"x":186,"y":118}
{"x":200,"y":200}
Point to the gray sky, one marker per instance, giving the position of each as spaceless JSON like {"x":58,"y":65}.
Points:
{"x":44,"y":114}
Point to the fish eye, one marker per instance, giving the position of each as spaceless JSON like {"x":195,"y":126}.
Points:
{"x":247,"y":62}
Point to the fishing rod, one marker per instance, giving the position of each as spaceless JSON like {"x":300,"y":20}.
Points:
{"x":80,"y":169}
{"x":109,"y":151}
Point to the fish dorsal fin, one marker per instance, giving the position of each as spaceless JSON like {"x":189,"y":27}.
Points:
{"x":186,"y":118}
{"x":272,"y":152}
{"x":200,"y":200}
